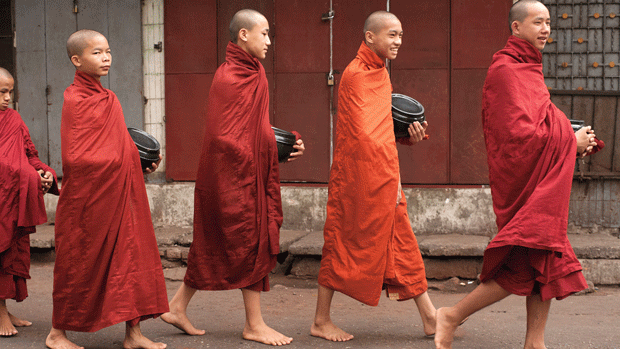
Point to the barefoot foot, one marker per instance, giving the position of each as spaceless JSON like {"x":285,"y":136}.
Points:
{"x":266,"y":335}
{"x":17,"y":322}
{"x":134,"y":339}
{"x":330,"y":332}
{"x":57,"y":339}
{"x":181,"y":321}
{"x":446,"y":326}
{"x":7,"y":329}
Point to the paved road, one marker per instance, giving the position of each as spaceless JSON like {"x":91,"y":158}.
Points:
{"x":579,"y":322}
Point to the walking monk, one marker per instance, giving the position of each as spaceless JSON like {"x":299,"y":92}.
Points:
{"x":531,"y":151}
{"x":369,"y":242}
{"x":108,"y":268}
{"x":237,"y":206}
{"x":24,"y":179}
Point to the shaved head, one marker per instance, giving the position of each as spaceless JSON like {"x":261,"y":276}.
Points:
{"x":519,"y":11}
{"x":376,"y":21}
{"x":244,"y":19}
{"x":5,"y":74}
{"x":78,"y":41}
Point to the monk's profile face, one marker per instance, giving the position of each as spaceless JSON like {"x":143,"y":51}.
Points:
{"x":6,"y":92}
{"x":387,"y":40}
{"x":96,"y":58}
{"x":256,"y":40}
{"x":536,"y":27}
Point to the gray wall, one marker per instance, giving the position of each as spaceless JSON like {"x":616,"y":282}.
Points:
{"x":43,"y":70}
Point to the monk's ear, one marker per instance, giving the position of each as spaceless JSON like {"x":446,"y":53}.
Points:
{"x":243,"y":34}
{"x":514,"y":27}
{"x":75,"y":59}
{"x":369,"y":36}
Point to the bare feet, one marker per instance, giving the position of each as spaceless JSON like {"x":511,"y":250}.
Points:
{"x":57,"y":339}
{"x":446,"y":327}
{"x":181,"y":321}
{"x":330,"y":332}
{"x":266,"y":335}
{"x":134,"y":339}
{"x":7,"y":329}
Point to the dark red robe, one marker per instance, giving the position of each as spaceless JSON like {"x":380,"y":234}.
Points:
{"x":22,"y":207}
{"x":238,"y":210}
{"x":108,"y":268}
{"x":531,"y":150}
{"x":369,"y":242}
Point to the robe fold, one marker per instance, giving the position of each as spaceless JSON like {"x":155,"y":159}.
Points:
{"x":22,"y":206}
{"x":531,"y":150}
{"x":237,"y":204}
{"x":369,"y":242}
{"x":108,"y":268}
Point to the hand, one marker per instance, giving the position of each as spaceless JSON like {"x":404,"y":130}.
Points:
{"x":154,"y":166}
{"x":585,"y":141}
{"x":299,"y":146}
{"x":47,"y":179}
{"x":417,"y":131}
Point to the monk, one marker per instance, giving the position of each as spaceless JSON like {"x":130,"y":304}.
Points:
{"x":531,"y":151}
{"x":24,"y":179}
{"x":237,"y":206}
{"x":369,"y":243}
{"x":108,"y":268}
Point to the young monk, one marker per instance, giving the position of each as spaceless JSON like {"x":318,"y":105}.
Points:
{"x":369,"y":243}
{"x":531,"y":151}
{"x":24,"y":179}
{"x":238,"y":210}
{"x":107,"y":267}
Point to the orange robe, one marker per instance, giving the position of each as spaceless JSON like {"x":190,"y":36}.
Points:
{"x":22,"y":207}
{"x":369,"y":242}
{"x":108,"y":268}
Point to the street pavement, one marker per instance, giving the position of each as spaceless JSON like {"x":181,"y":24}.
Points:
{"x":579,"y":322}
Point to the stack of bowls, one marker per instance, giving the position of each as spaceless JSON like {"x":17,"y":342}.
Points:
{"x":285,"y":141}
{"x":148,"y":147}
{"x":405,"y":111}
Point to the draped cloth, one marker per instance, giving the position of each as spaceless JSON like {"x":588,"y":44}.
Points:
{"x":237,"y":204}
{"x":369,"y":242}
{"x":531,"y":151}
{"x":108,"y":268}
{"x":22,"y":206}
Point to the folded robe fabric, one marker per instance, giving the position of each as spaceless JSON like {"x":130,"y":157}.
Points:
{"x":237,"y":204}
{"x":22,"y":206}
{"x":108,"y":268}
{"x":531,"y":150}
{"x":369,"y":242}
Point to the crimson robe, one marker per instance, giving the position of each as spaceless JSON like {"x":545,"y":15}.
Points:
{"x":369,"y":242}
{"x":531,"y":150}
{"x":108,"y":268}
{"x":237,"y":204}
{"x":22,"y":206}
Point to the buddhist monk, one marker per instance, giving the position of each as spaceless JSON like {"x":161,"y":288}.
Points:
{"x":237,"y":206}
{"x":369,"y":243}
{"x":107,"y":268}
{"x":24,"y":179}
{"x":531,"y":151}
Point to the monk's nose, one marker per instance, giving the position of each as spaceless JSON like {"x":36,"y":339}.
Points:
{"x":268,"y":41}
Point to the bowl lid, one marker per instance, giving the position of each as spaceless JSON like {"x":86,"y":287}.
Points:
{"x":283,"y":136}
{"x":144,"y":141}
{"x":406,"y":105}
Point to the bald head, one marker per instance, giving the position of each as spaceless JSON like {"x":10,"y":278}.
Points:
{"x":244,"y":19}
{"x":519,"y":11}
{"x":78,"y":41}
{"x":377,"y":20}
{"x":5,"y":74}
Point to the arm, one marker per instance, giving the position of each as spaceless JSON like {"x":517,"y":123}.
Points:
{"x":49,"y":181}
{"x":586,"y":141}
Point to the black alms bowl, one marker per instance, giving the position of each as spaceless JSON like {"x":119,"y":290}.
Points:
{"x":405,"y":111}
{"x":577,"y":124}
{"x":148,"y":147}
{"x":285,"y":141}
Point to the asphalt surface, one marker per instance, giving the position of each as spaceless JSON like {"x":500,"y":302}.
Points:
{"x":588,"y":321}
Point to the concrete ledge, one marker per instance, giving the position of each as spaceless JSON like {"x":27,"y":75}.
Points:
{"x":602,"y":271}
{"x":309,"y":245}
{"x":446,"y":268}
{"x":452,"y":245}
{"x":289,"y":237}
{"x":595,"y":246}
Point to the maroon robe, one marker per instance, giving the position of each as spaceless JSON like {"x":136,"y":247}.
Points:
{"x":531,"y":150}
{"x":108,"y":268}
{"x":22,"y":207}
{"x":238,"y":210}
